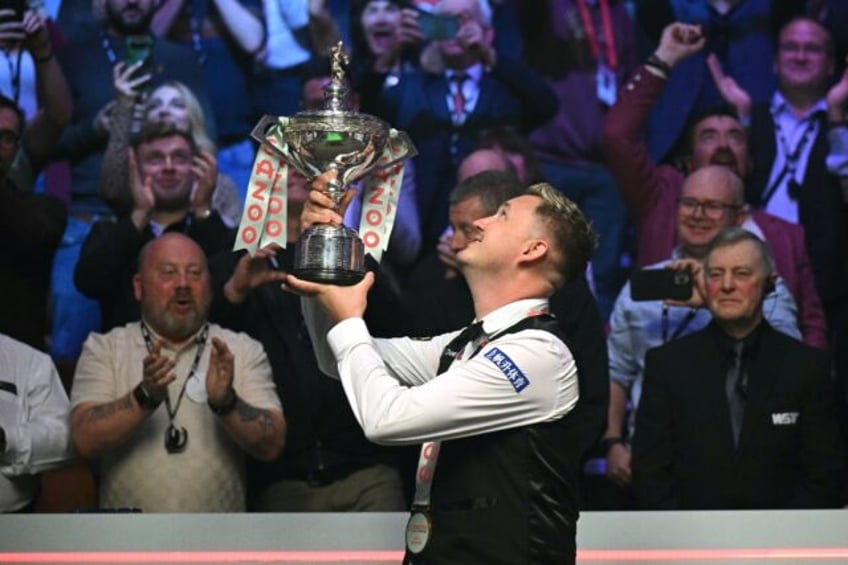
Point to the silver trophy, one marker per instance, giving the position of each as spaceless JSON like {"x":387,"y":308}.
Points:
{"x":347,"y":142}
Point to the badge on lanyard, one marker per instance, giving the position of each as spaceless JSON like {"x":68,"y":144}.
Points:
{"x":196,"y":388}
{"x":418,"y":530}
{"x":607,"y":89}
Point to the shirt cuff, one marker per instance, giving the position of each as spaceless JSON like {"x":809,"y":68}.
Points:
{"x":346,"y":334}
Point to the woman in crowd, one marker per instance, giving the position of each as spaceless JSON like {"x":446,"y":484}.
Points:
{"x":171,"y":102}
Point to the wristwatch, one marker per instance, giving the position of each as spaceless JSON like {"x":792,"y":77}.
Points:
{"x":607,"y":443}
{"x":228,"y":406}
{"x":144,"y":399}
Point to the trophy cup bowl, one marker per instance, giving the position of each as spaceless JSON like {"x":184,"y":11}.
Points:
{"x":350,"y":145}
{"x":332,"y":138}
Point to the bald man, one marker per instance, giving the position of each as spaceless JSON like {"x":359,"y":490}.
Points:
{"x":170,"y":403}
{"x":711,"y":200}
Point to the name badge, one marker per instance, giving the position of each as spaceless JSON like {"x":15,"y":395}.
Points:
{"x":418,"y":530}
{"x":196,"y":388}
{"x":606,"y":88}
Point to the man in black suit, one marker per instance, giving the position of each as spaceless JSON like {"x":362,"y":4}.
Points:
{"x":467,"y":91}
{"x":799,"y":143}
{"x":736,"y":415}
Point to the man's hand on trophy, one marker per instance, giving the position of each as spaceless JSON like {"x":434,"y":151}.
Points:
{"x":340,"y":302}
{"x":205,"y":170}
{"x":321,"y":208}
{"x":252,"y":272}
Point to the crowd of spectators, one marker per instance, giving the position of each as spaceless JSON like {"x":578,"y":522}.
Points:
{"x":125,"y":160}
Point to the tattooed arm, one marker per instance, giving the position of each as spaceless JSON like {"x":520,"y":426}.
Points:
{"x":100,"y":428}
{"x":260,"y":431}
{"x":98,"y":424}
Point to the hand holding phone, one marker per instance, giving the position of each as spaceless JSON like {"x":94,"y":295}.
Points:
{"x":438,"y":27}
{"x":661,"y":284}
{"x":139,"y":48}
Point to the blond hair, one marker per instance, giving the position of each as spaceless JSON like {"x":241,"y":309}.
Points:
{"x":574,"y":240}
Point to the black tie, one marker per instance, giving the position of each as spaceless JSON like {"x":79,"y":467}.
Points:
{"x":735,"y":387}
{"x":469,"y":335}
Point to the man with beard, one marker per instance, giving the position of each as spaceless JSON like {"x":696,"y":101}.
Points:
{"x":215,"y":384}
{"x":88,"y":66}
{"x":717,"y":137}
{"x":172,"y":187}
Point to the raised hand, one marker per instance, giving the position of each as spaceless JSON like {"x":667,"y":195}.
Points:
{"x":157,"y":372}
{"x":142,"y":192}
{"x":36,"y":39}
{"x":127,"y":85}
{"x":475,"y":38}
{"x":409,"y":32}
{"x":205,"y":170}
{"x":679,"y":41}
{"x":321,"y":208}
{"x":250,"y":273}
{"x":447,"y":255}
{"x":699,"y":290}
{"x":729,"y":89}
{"x":837,"y":97}
{"x":219,"y":375}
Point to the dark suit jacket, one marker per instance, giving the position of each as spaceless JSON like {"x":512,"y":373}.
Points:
{"x":31,"y":227}
{"x":789,"y":453}
{"x":821,"y":209}
{"x":511,"y":94}
{"x":651,"y":191}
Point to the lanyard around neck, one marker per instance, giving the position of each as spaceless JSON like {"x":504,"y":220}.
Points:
{"x":592,"y":36}
{"x":201,"y":345}
{"x":684,"y":323}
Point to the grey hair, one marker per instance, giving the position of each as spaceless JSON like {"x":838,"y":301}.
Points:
{"x":484,"y":10}
{"x":731,"y":236}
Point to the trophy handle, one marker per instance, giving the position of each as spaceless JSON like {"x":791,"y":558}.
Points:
{"x":260,"y":130}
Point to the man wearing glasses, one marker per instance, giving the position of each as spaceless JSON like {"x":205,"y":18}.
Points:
{"x":171,"y":183}
{"x":716,"y":137}
{"x":710,"y":201}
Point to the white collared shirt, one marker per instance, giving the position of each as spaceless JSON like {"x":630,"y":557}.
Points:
{"x":791,"y":129}
{"x":470,"y":87}
{"x":519,"y":379}
{"x":34,"y":415}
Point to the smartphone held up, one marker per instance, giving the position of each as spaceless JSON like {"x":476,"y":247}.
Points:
{"x":661,"y":284}
{"x":436,"y":26}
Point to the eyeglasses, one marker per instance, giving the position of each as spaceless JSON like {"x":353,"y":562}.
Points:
{"x":8,"y":137}
{"x":177,"y":159}
{"x":795,"y":48}
{"x":710,"y":208}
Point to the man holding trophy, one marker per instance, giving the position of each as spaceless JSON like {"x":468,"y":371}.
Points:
{"x":491,"y":404}
{"x":346,"y":144}
{"x":496,"y":480}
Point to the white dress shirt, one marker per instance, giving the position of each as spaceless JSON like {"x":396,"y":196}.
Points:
{"x":34,"y":416}
{"x":519,"y":379}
